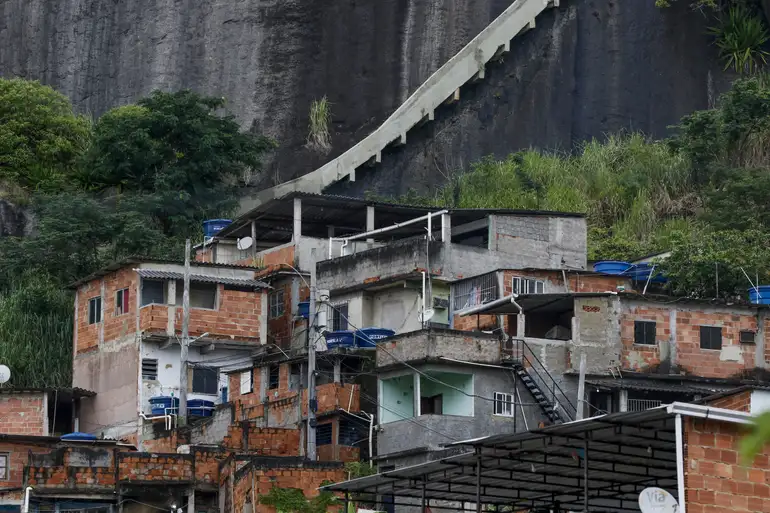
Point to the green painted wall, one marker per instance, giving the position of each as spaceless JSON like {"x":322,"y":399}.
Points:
{"x":397,"y":399}
{"x":454,"y":401}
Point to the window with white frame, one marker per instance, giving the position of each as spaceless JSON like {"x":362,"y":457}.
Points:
{"x":121,"y":302}
{"x":521,"y":285}
{"x":276,"y":303}
{"x":503,"y":404}
{"x":247,"y":381}
{"x":475,"y":291}
{"x":4,"y":466}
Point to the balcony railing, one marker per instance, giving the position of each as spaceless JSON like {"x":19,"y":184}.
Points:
{"x":642,"y":404}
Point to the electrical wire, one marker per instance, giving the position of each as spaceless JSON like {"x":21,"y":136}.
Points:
{"x":410,"y":419}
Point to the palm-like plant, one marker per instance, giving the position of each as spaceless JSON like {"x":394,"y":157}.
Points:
{"x":740,"y":37}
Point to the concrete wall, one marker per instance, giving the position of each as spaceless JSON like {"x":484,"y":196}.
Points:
{"x":397,"y":308}
{"x":434,"y":430}
{"x":169,"y":365}
{"x":113,"y":373}
{"x":435,"y":343}
{"x":548,"y":242}
{"x":596,"y":333}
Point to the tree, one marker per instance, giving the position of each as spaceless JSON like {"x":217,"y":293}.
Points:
{"x":697,"y":261}
{"x":41,"y":139}
{"x":741,"y":202}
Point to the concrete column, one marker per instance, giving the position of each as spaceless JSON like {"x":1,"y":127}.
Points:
{"x":446,"y":228}
{"x":520,"y":325}
{"x":759,"y":340}
{"x":369,"y":224}
{"x":263,"y":305}
{"x":297,"y":220}
{"x":102,"y":291}
{"x":492,"y":243}
{"x":171,"y":302}
{"x":254,"y":240}
{"x":673,"y":348}
{"x":416,"y":378}
{"x":191,"y":501}
{"x":623,"y":400}
{"x":337,"y":370}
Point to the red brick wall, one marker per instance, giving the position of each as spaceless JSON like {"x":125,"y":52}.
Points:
{"x":153,"y":318}
{"x":18,"y":457}
{"x":141,"y":467}
{"x":207,"y":465}
{"x":306,"y":479}
{"x":22,"y":414}
{"x":279,"y":328}
{"x":71,"y":477}
{"x":715,"y":479}
{"x":690,"y":357}
{"x":272,"y":258}
{"x":740,"y":401}
{"x":577,"y":282}
{"x":115,"y":326}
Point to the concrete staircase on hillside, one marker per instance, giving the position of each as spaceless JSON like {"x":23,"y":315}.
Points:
{"x":442,"y":87}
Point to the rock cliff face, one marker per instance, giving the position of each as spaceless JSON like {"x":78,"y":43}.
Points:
{"x":590,"y":67}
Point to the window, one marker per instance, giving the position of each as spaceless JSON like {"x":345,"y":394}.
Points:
{"x":95,"y":310}
{"x":205,"y":381}
{"x":747,"y":336}
{"x":121,"y":302}
{"x":521,"y":285}
{"x":503,"y":404}
{"x":475,"y":291}
{"x":149,"y":369}
{"x":340,"y":317}
{"x":644,"y":333}
{"x":433,"y":405}
{"x":297,"y":378}
{"x":349,"y":434}
{"x":202,"y":295}
{"x":247,"y":381}
{"x":153,"y":292}
{"x":275,"y":377}
{"x":275,"y":301}
{"x":711,"y":337}
{"x":323,"y":434}
{"x":4,"y":466}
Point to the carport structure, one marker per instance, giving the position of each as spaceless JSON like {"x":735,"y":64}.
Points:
{"x":599,"y":464}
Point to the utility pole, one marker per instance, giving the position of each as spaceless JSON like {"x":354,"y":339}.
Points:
{"x":185,"y":342}
{"x":311,"y":407}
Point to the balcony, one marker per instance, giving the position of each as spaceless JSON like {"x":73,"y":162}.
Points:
{"x":436,"y":344}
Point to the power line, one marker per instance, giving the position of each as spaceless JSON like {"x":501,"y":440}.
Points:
{"x":410,"y":419}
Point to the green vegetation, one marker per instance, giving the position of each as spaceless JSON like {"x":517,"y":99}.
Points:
{"x":139,"y":180}
{"x":319,"y":137}
{"x":703,"y":193}
{"x":740,"y":36}
{"x":292,"y":500}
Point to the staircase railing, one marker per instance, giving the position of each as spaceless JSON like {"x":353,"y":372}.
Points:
{"x":517,"y":351}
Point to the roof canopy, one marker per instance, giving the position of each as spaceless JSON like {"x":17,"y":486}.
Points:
{"x":543,"y":303}
{"x":170,"y":275}
{"x":602,"y":463}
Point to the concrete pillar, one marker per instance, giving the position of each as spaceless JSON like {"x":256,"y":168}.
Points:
{"x":297,"y":220}
{"x":446,"y":228}
{"x":673,"y":349}
{"x":263,"y":306}
{"x":171,"y":302}
{"x":492,"y":242}
{"x":337,"y":370}
{"x":191,"y":501}
{"x":623,"y":400}
{"x":520,"y":325}
{"x":369,"y":224}
{"x":759,"y":355}
{"x":254,"y":240}
{"x":416,"y":378}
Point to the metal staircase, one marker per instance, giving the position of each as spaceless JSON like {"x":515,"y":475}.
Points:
{"x":443,"y":87}
{"x":527,"y":367}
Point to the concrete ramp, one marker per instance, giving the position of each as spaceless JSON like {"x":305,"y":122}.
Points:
{"x":443,"y":86}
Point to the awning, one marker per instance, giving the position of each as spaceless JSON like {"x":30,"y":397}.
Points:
{"x":544,"y":303}
{"x":652,"y":385}
{"x":153,"y":274}
{"x":601,"y":463}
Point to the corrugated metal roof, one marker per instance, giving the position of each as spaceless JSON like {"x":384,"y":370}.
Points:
{"x":169,"y":275}
{"x":75,"y":391}
{"x":651,"y":385}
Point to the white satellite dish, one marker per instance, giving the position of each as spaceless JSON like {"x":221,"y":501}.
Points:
{"x":5,"y":374}
{"x":427,"y":315}
{"x":245,"y":243}
{"x":657,"y":500}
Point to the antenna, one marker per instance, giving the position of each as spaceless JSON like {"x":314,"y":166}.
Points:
{"x":5,"y":374}
{"x":244,"y":243}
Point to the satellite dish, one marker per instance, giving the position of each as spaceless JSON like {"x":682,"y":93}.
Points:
{"x":245,"y":243}
{"x":427,"y":315}
{"x":5,"y":374}
{"x":657,"y":500}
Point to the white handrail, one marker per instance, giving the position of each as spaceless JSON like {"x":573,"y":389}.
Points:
{"x":442,"y":84}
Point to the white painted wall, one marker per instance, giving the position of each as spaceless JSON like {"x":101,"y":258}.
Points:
{"x":396,"y":308}
{"x":760,"y":401}
{"x":169,"y":367}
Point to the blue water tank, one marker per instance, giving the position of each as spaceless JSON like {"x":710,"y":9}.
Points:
{"x":760,"y":295}
{"x":200,"y":407}
{"x":642,"y":272}
{"x":160,"y":403}
{"x":339,"y":339}
{"x":212,"y":226}
{"x":611,"y":267}
{"x":79,"y":437}
{"x":303,"y":309}
{"x":368,"y":337}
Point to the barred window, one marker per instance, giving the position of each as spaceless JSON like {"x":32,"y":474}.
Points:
{"x":475,"y":291}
